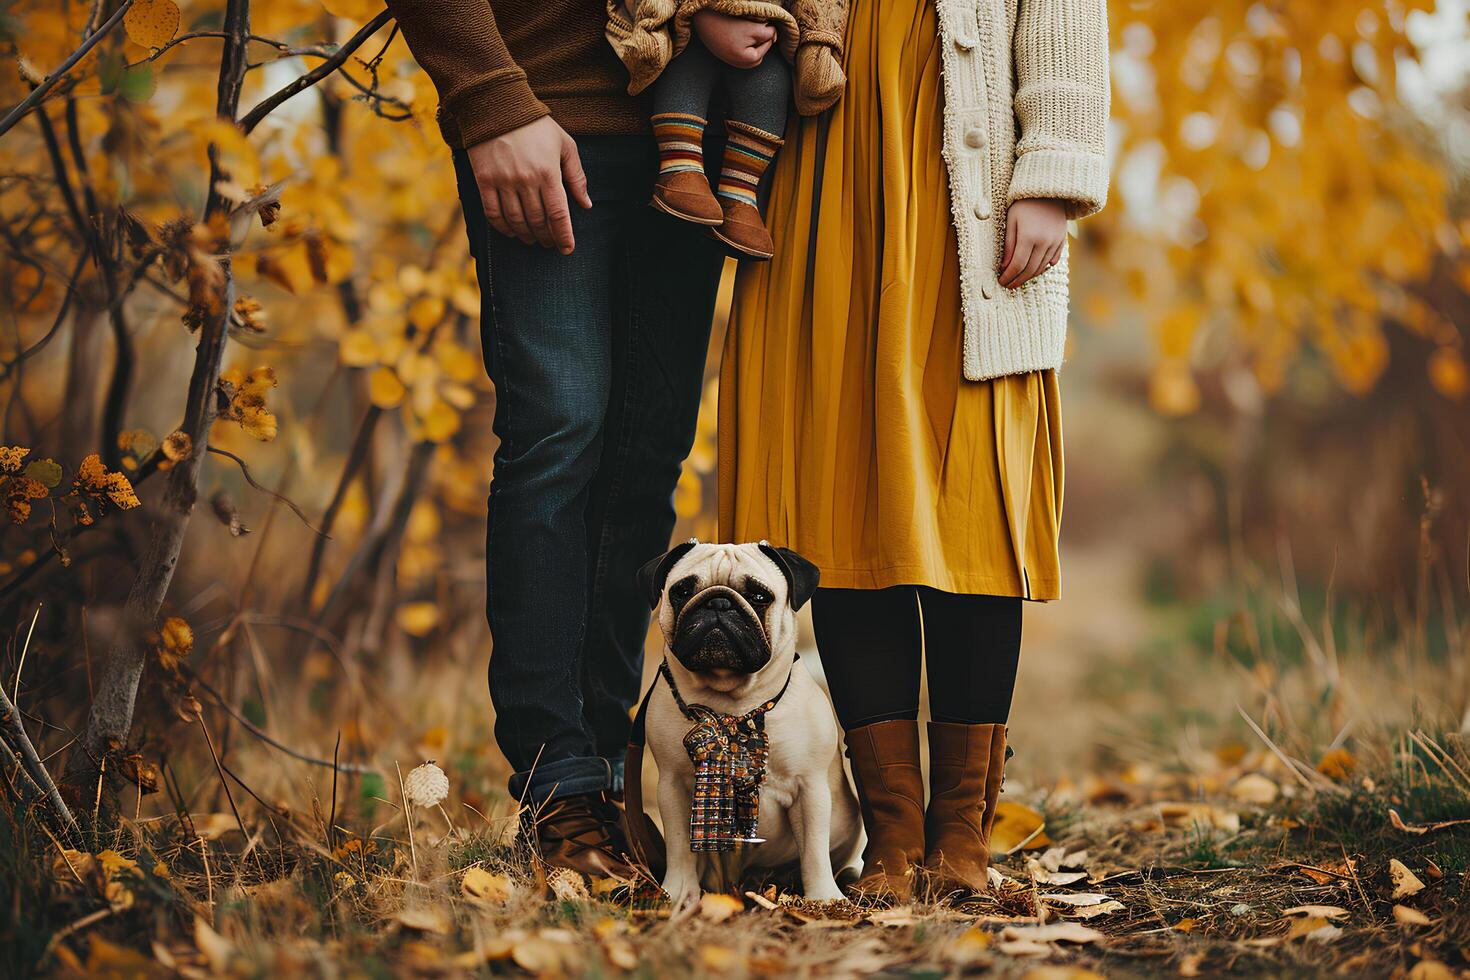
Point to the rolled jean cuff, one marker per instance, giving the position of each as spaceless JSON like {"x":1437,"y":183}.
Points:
{"x":565,"y":777}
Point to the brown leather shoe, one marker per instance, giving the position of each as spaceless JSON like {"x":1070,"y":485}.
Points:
{"x":583,"y":833}
{"x":743,"y":230}
{"x":966,"y":764}
{"x":890,"y":785}
{"x":686,"y":194}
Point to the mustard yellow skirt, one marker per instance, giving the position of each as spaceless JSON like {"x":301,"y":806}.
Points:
{"x":847,"y":430}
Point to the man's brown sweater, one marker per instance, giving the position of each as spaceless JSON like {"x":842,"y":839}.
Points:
{"x":499,"y":64}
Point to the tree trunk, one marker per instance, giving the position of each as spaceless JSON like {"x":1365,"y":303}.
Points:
{"x":83,"y":374}
{"x":111,"y":717}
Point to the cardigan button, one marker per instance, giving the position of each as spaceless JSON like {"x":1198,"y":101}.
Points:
{"x":982,"y":210}
{"x":987,"y":288}
{"x":963,"y":42}
{"x":975,"y":138}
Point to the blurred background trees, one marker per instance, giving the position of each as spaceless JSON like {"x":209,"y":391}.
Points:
{"x":1268,"y":365}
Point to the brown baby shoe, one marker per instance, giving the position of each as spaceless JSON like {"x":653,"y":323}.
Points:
{"x":743,"y":230}
{"x":686,"y":194}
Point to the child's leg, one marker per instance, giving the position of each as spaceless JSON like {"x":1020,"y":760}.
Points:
{"x":681,"y":97}
{"x":759,"y":98}
{"x":680,"y":104}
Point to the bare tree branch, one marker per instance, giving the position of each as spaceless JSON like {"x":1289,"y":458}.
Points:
{"x":259,"y":733}
{"x":245,"y":472}
{"x":321,"y":71}
{"x":16,"y":734}
{"x":31,"y":351}
{"x":25,"y":105}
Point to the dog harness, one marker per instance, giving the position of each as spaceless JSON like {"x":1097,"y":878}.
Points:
{"x":729,"y":753}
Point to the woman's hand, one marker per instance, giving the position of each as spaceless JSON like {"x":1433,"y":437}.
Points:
{"x":737,"y":41}
{"x":1036,"y":232}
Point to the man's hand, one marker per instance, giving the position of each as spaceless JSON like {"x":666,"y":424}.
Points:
{"x":1036,"y":232}
{"x":737,"y":41}
{"x":520,"y":175}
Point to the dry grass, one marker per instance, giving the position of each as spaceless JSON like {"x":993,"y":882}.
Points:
{"x":1202,"y":798}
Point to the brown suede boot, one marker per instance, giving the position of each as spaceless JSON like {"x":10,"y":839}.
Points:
{"x":582,"y":833}
{"x":744,"y":230}
{"x":890,"y":785}
{"x":686,"y":194}
{"x":966,"y":763}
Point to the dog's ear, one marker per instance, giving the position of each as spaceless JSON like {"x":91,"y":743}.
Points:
{"x":651,"y":577}
{"x":801,"y":575}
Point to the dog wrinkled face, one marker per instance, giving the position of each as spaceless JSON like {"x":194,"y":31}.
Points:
{"x":720,"y":624}
{"x":728,"y":611}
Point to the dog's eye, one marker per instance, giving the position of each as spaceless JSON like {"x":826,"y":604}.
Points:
{"x":681,"y":592}
{"x":758,"y":596}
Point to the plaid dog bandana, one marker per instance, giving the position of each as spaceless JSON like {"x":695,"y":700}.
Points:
{"x":729,"y":753}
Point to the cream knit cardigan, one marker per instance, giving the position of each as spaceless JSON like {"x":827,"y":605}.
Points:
{"x":1026,"y":113}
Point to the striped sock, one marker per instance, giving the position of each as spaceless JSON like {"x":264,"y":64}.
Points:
{"x":748,"y":152}
{"x":680,"y":138}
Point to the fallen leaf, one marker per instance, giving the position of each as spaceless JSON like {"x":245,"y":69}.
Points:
{"x":1313,"y":927}
{"x":1431,"y":870}
{"x":1199,"y":815}
{"x":1190,"y":964}
{"x":1255,"y":788}
{"x":218,"y":950}
{"x":1043,"y":877}
{"x":1405,"y":882}
{"x":1410,"y":917}
{"x":1316,"y":874}
{"x":1075,"y":898}
{"x":717,"y":907}
{"x":1321,"y":911}
{"x":1017,"y":826}
{"x":1185,"y":925}
{"x":899,"y":915}
{"x":1056,"y":932}
{"x":1021,"y":947}
{"x":1061,"y":973}
{"x":1103,"y":908}
{"x":971,"y":946}
{"x":718,"y":958}
{"x":1337,"y":764}
{"x":104,"y":959}
{"x":542,"y":954}
{"x":213,"y":826}
{"x":620,"y":953}
{"x":423,"y":919}
{"x":480,"y":885}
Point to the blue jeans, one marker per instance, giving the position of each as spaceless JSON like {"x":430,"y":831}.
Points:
{"x":598,"y":362}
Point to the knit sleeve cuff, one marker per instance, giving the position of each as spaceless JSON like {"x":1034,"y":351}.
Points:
{"x":493,"y":107}
{"x":1078,"y":178}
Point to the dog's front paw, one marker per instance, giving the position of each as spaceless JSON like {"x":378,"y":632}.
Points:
{"x":826,"y":891}
{"x":683,"y":891}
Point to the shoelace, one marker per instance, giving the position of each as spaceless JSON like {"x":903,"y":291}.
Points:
{"x":603,"y":825}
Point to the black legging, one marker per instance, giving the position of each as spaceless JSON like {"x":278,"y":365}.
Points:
{"x":872,"y":646}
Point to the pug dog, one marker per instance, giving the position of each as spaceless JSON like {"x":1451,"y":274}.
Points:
{"x":728,"y":616}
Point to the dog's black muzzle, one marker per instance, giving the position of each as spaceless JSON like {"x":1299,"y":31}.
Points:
{"x":717,"y":630}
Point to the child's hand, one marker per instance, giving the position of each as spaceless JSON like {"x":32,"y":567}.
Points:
{"x":737,"y":41}
{"x":1036,"y":231}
